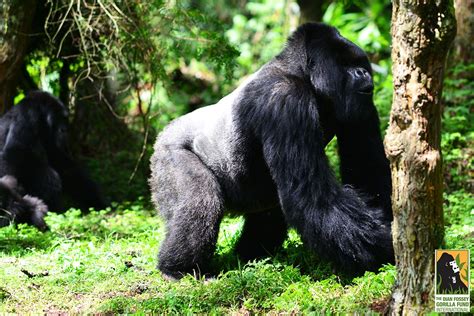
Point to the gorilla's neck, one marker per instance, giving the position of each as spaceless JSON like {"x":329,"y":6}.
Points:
{"x":292,"y":61}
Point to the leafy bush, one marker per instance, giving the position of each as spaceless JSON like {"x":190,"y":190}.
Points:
{"x":457,"y":139}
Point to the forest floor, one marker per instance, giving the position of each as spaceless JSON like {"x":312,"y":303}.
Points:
{"x":105,"y":262}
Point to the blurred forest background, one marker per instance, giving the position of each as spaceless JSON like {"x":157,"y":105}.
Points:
{"x":127,"y":68}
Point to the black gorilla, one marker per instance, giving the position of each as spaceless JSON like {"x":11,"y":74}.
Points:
{"x":260,"y":152}
{"x":33,"y":138}
{"x":448,"y":274}
{"x":20,"y":209}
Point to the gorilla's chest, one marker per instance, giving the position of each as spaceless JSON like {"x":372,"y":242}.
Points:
{"x":242,"y":173}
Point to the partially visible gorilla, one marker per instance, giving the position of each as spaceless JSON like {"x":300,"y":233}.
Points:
{"x":20,"y":209}
{"x":33,"y":138}
{"x":260,"y":152}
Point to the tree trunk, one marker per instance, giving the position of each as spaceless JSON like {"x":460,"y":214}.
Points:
{"x":422,"y":32}
{"x":16,"y":17}
{"x":464,"y":43}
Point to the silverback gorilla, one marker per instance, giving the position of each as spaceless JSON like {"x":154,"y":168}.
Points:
{"x":260,"y":152}
{"x":36,"y":160}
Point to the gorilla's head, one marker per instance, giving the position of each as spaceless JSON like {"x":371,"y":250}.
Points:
{"x":53,"y":114}
{"x":338,"y":69}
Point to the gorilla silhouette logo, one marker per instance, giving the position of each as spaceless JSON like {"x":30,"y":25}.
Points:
{"x":448,"y":278}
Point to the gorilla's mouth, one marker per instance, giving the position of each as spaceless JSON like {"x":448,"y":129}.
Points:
{"x":369,"y":89}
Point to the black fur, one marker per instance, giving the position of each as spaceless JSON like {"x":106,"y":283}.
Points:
{"x":20,"y":209}
{"x":33,"y":138}
{"x":260,"y":152}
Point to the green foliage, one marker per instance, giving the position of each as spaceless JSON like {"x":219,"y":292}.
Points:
{"x":136,"y":44}
{"x":459,"y":220}
{"x":458,"y":159}
{"x":383,"y":91}
{"x":20,"y":240}
{"x":259,"y":33}
{"x":457,"y":143}
{"x":457,"y":139}
{"x":141,"y":39}
{"x":459,"y":85}
{"x":331,"y":152}
{"x":366,"y":23}
{"x":192,"y":34}
{"x":329,"y":296}
{"x":114,"y":173}
{"x":45,"y":71}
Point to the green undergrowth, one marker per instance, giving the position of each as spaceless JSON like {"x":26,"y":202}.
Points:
{"x":105,"y":262}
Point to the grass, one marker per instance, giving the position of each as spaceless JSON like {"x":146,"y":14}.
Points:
{"x":104,"y":262}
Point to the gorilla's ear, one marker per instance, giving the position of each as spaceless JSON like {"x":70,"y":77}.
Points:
{"x":317,"y":78}
{"x":326,"y":78}
{"x":325,"y":73}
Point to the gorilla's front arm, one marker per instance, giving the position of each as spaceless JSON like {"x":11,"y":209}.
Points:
{"x":363,"y":163}
{"x":333,"y":220}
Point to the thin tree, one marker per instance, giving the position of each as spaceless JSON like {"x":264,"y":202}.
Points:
{"x":16,"y":18}
{"x":464,"y":44}
{"x":422,"y":32}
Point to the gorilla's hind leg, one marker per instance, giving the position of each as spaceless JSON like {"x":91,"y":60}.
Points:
{"x":190,"y":200}
{"x":262,"y":235}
